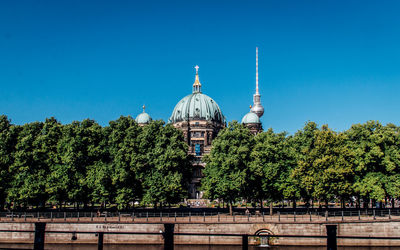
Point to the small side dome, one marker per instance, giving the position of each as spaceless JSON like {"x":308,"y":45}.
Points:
{"x":251,"y":118}
{"x":143,"y":118}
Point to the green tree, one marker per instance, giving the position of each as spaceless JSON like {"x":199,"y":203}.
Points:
{"x":377,"y":158}
{"x":326,"y":167}
{"x":81,"y":148}
{"x":8,"y":134}
{"x":272,"y":160}
{"x":29,"y":171}
{"x":227,"y":169}
{"x":300,"y":144}
{"x":123,"y":144}
{"x":99,"y":181}
{"x":47,"y":153}
{"x":166,"y":170}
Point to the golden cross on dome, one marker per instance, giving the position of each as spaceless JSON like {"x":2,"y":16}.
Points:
{"x":144,"y":107}
{"x":196,"y":84}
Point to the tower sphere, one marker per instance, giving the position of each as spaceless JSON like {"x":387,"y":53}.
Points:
{"x":258,"y":109}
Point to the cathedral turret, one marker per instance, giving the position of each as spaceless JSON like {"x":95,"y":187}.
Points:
{"x":143,"y":118}
{"x":252,"y":121}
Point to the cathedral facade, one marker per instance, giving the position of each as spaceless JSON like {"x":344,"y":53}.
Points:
{"x":200,"y":119}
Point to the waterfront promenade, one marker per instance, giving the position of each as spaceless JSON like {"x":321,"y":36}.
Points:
{"x":354,"y":228}
{"x":203,"y":217}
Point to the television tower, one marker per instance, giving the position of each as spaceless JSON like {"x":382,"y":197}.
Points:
{"x":257,"y":108}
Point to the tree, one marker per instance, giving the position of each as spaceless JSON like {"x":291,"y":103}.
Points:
{"x":8,"y":134}
{"x":29,"y":171}
{"x":300,"y":143}
{"x":167,"y":170}
{"x":82,"y":147}
{"x":326,"y":169}
{"x":47,"y":154}
{"x":227,"y":169}
{"x":123,"y":145}
{"x":99,"y":181}
{"x":378,"y":160}
{"x":272,"y":158}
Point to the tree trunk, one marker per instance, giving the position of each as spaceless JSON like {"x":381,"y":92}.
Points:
{"x":366,"y":204}
{"x":230,"y":208}
{"x":294,"y":203}
{"x":271,"y":207}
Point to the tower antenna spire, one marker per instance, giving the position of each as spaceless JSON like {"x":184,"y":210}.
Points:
{"x":257,"y":71}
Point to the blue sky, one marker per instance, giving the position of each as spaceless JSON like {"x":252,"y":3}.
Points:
{"x":332,"y":62}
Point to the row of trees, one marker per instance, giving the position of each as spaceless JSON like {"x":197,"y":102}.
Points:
{"x":315,"y":164}
{"x":85,"y":163}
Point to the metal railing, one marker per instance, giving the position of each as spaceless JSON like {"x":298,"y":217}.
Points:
{"x":207,"y":217}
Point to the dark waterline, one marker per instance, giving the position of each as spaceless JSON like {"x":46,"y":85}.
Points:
{"x":178,"y":247}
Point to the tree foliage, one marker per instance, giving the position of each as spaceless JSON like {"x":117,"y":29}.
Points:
{"x":81,"y":162}
{"x":272,"y":158}
{"x":124,"y":163}
{"x":226,"y":173}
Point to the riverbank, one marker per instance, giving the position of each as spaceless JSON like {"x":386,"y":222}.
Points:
{"x":133,"y":232}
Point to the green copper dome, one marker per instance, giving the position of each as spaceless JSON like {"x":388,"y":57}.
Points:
{"x":143,"y":118}
{"x":197,"y":106}
{"x":251,"y":118}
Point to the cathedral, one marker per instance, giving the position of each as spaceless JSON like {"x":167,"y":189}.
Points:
{"x":200,"y":119}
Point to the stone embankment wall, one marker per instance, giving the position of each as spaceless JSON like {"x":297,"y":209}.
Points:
{"x":376,"y":228}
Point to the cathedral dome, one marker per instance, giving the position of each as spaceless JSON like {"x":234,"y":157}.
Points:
{"x":143,"y":118}
{"x":197,"y":106}
{"x":251,"y":118}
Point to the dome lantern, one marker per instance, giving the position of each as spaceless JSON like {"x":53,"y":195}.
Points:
{"x":197,"y":84}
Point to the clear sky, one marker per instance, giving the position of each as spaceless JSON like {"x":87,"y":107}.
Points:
{"x":332,"y":62}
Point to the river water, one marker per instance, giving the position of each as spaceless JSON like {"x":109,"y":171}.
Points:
{"x":178,"y":247}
